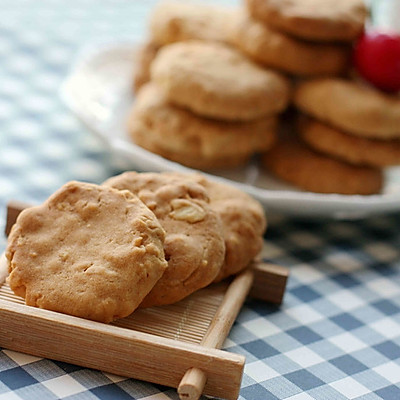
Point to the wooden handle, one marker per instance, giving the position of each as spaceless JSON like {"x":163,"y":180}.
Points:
{"x":228,"y":310}
{"x":193,"y":382}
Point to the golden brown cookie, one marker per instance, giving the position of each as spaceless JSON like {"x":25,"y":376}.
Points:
{"x":244,"y":224}
{"x":145,"y":56}
{"x":354,"y":149}
{"x":293,"y":162}
{"x":216,"y":81}
{"x":180,"y":21}
{"x":319,"y":20}
{"x":188,"y":159}
{"x":182,"y":136}
{"x":194,"y":245}
{"x":351,"y":106}
{"x":89,"y":251}
{"x":278,"y":50}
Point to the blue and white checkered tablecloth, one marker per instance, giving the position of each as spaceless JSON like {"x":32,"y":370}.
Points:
{"x":337,"y":334}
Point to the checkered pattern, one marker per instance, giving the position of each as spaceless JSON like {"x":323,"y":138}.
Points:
{"x":337,"y":335}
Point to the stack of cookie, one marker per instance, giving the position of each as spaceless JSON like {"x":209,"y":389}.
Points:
{"x":207,"y":105}
{"x":308,"y":39}
{"x":302,"y":38}
{"x":139,"y":240}
{"x":172,"y":21}
{"x":352,"y":132}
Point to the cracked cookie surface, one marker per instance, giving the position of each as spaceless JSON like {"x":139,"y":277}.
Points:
{"x":88,"y":251}
{"x":217,"y":81}
{"x":194,"y":245}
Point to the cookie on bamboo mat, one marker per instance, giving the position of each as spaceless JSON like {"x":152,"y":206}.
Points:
{"x":182,"y":136}
{"x":144,"y":57}
{"x":283,"y":52}
{"x":194,"y":245}
{"x":350,"y":106}
{"x":319,"y":20}
{"x":88,"y":251}
{"x":244,"y":224}
{"x":351,"y":148}
{"x":179,"y":21}
{"x":292,"y":161}
{"x":216,"y":81}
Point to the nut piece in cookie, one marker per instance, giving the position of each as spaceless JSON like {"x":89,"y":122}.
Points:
{"x":89,"y":251}
{"x":173,"y":21}
{"x":319,"y":20}
{"x":243,"y":221}
{"x":292,"y":161}
{"x":194,"y":245}
{"x":203,"y":143}
{"x":217,"y":81}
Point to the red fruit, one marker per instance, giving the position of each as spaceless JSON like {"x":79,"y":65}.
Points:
{"x":377,"y":59}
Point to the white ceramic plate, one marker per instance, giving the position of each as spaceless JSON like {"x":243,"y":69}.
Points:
{"x":99,"y":91}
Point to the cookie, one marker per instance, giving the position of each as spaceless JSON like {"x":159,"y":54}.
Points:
{"x":182,"y":136}
{"x":278,"y":50}
{"x":244,"y":224}
{"x":318,"y":20}
{"x":88,"y":251}
{"x":194,"y":245}
{"x":216,"y":81}
{"x":350,"y":148}
{"x":293,"y":162}
{"x":179,"y":21}
{"x":145,"y":56}
{"x":188,"y":159}
{"x":350,"y":106}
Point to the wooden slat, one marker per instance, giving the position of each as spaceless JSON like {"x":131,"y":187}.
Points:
{"x":187,"y":320}
{"x":14,"y":208}
{"x":193,"y":382}
{"x":116,"y":350}
{"x":269,"y":282}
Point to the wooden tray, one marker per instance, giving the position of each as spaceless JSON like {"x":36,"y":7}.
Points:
{"x":176,"y":345}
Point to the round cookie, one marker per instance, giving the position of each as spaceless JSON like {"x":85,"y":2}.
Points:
{"x":350,"y":148}
{"x":350,"y":106}
{"x":144,"y":58}
{"x":182,"y":136}
{"x":194,"y":245}
{"x":319,"y":20}
{"x":244,"y":224}
{"x":88,"y":251}
{"x":278,"y":50}
{"x":180,"y":21}
{"x":189,"y":159}
{"x":292,"y":161}
{"x":216,"y":81}
{"x":243,"y":220}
